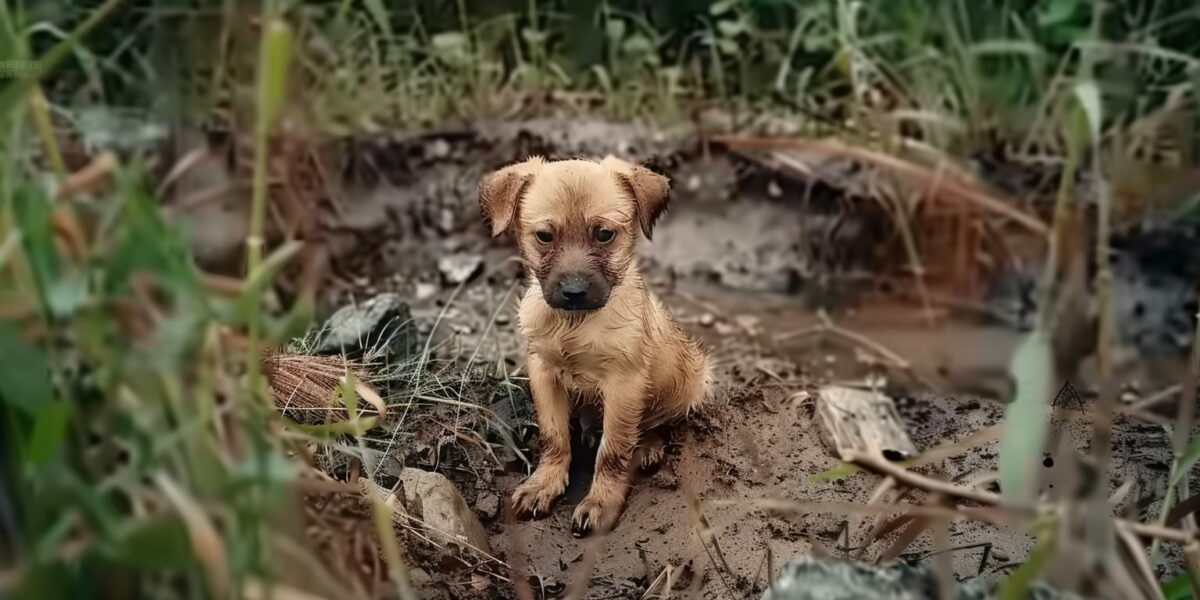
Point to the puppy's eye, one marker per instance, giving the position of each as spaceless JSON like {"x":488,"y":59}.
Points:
{"x":605,"y":235}
{"x":544,"y":237}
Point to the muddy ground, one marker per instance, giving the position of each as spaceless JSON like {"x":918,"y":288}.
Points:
{"x":746,"y":258}
{"x":759,"y":444}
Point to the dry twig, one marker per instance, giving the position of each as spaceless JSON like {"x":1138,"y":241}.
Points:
{"x":928,"y":484}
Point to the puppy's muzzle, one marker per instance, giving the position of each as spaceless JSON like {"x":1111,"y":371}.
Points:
{"x":577,"y":290}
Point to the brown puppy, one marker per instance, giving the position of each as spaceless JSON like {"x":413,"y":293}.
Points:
{"x":596,"y":334}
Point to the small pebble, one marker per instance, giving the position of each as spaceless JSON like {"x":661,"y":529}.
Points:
{"x":488,"y":506}
{"x":439,"y":148}
{"x":773,"y":189}
{"x":425,"y":291}
{"x":748,"y":323}
{"x":460,"y":267}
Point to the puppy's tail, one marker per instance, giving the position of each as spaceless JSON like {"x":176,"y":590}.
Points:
{"x":708,"y":388}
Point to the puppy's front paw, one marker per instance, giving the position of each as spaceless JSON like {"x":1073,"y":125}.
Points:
{"x":596,"y":513}
{"x":535,"y":495}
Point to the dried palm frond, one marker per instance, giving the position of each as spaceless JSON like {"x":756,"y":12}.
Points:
{"x":307,"y":387}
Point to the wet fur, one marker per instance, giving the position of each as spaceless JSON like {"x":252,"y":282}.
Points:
{"x":629,"y":357}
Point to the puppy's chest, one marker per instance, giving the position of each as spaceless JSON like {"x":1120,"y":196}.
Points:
{"x":581,"y":364}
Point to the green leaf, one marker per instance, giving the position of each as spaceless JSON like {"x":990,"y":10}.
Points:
{"x":449,"y":41}
{"x":614,"y":29}
{"x":1178,"y":587}
{"x":534,"y":37}
{"x":156,"y":543}
{"x":1056,"y":12}
{"x":66,"y":294}
{"x":603,"y":79}
{"x":728,"y":46}
{"x":1006,"y":48}
{"x":723,"y":6}
{"x":274,"y":470}
{"x":147,"y":243}
{"x":31,"y":208}
{"x":208,"y":471}
{"x":1088,"y":95}
{"x":1187,"y":461}
{"x":841,"y":471}
{"x":1026,"y":419}
{"x":1016,"y":586}
{"x":262,"y":276}
{"x":731,"y":28}
{"x":339,"y":427}
{"x":49,"y":430}
{"x":637,"y":44}
{"x":24,"y":372}
{"x":176,"y":337}
{"x":295,"y":323}
{"x":380,"y":14}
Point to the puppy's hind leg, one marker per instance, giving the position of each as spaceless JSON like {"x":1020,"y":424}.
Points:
{"x":693,"y":390}
{"x":590,"y":426}
{"x":651,"y":451}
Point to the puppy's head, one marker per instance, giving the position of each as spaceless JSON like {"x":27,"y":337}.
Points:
{"x":576,"y":222}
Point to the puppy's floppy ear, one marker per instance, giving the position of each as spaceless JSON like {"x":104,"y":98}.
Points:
{"x":649,"y":190}
{"x":500,"y":193}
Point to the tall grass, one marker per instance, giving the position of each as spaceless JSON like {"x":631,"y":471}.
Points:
{"x":137,"y":459}
{"x":960,"y":75}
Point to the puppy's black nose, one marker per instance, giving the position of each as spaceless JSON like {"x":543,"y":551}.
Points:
{"x":574,"y":290}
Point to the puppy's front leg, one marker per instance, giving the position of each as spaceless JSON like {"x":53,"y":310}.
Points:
{"x":624,"y":399}
{"x":552,"y":410}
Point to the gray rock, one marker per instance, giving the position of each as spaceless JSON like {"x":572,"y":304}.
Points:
{"x":460,"y":267}
{"x":381,"y":323}
{"x":812,"y":578}
{"x":1154,"y":311}
{"x":433,"y":499}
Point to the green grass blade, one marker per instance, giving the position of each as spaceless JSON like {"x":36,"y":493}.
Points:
{"x":1178,"y":587}
{"x":1088,"y":95}
{"x":24,"y":372}
{"x":273,"y":70}
{"x":50,"y":427}
{"x":1187,"y":461}
{"x":1016,"y":586}
{"x":1027,"y":418}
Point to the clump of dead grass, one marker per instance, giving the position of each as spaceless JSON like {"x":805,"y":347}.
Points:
{"x":313,"y":389}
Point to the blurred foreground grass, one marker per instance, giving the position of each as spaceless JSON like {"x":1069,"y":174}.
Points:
{"x":141,"y":457}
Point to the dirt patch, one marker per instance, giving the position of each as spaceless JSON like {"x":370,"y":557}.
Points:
{"x":758,"y":446}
